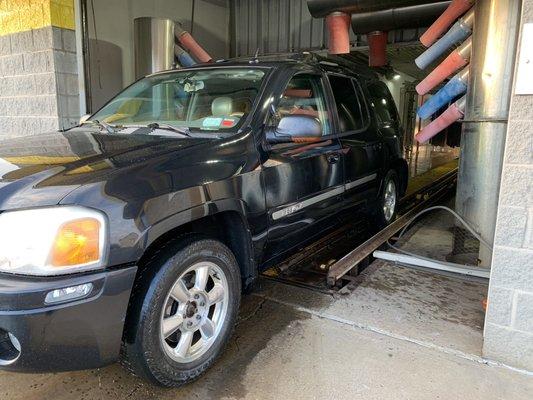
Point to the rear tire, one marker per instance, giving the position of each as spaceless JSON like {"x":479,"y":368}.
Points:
{"x":387,"y":204}
{"x":184,"y":314}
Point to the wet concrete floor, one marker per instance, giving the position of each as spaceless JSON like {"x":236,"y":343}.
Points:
{"x":396,"y":333}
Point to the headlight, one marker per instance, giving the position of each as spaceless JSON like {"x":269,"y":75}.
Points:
{"x":52,"y":241}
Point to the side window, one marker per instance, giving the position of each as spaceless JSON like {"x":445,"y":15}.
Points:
{"x":304,"y":95}
{"x":349,"y":108}
{"x":382,"y":103}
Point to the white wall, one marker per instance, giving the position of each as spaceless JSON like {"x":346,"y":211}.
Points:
{"x":112,"y":62}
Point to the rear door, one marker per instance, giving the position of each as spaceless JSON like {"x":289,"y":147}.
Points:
{"x":360,"y":141}
{"x":304,"y":182}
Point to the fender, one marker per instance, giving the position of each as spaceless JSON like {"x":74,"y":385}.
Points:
{"x":192,"y":214}
{"x":226,"y":211}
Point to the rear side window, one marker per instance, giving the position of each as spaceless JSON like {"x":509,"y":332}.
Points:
{"x":382,"y":103}
{"x":352,"y":115}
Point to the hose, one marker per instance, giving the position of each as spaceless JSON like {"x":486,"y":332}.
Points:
{"x":457,"y":216}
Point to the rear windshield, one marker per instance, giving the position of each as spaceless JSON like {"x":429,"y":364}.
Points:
{"x":217,"y":99}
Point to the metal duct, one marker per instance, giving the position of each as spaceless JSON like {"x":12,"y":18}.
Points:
{"x":485,"y":125}
{"x":153,"y":41}
{"x":377,"y":48}
{"x":398,"y":18}
{"x":338,"y":24}
{"x":321,"y":8}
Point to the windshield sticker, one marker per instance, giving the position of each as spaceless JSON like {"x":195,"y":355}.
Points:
{"x":211,"y":122}
{"x":228,"y":123}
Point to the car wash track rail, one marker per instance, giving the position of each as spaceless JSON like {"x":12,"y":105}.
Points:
{"x":315,"y":266}
{"x":410,"y":205}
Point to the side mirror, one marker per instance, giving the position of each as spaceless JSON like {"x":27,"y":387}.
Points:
{"x":84,"y":118}
{"x":296,"y":128}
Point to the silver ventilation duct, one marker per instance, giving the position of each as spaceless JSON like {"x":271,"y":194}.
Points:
{"x":153,"y":40}
{"x":321,"y":8}
{"x":398,"y":17}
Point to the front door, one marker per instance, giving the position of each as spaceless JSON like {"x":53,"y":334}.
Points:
{"x":304,"y":182}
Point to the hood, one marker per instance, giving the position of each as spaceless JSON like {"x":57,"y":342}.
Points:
{"x":41,"y":170}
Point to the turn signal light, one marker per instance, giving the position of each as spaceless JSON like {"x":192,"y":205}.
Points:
{"x":77,"y":242}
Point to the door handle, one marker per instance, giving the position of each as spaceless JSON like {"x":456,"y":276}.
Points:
{"x":333,"y":158}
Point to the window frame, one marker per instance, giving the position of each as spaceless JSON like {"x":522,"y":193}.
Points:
{"x":365,"y":113}
{"x":328,"y":102}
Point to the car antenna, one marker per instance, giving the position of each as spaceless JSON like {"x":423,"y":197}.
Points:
{"x":255,"y":60}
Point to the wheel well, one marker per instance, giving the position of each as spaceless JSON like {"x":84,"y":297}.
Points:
{"x":400,"y":166}
{"x":227,"y":227}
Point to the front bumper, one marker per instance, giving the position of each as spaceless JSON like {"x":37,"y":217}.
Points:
{"x":80,"y":334}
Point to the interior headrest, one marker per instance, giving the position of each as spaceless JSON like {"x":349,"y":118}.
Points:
{"x":222,"y":106}
{"x":298,"y":93}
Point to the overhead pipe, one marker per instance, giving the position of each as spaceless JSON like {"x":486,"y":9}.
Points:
{"x":452,"y":114}
{"x":188,"y":42}
{"x":456,"y":60}
{"x":338,"y":24}
{"x":454,"y":11}
{"x":457,"y":33}
{"x":377,"y":48}
{"x":337,"y":13}
{"x":321,"y":8}
{"x":454,"y":88}
{"x":397,"y":17}
{"x":184,"y":59}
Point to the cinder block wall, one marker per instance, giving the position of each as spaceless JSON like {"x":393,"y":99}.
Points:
{"x":38,"y":68}
{"x":509,"y":322}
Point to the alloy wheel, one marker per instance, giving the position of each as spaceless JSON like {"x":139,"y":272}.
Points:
{"x":389,"y":200}
{"x":194,"y":312}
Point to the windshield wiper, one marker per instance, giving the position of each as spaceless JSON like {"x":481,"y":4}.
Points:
{"x":182,"y":130}
{"x":101,"y":125}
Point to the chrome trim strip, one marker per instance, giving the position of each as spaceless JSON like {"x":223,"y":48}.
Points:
{"x":359,"y":182}
{"x":284,"y":212}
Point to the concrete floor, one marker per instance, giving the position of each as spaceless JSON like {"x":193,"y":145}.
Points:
{"x":396,"y":333}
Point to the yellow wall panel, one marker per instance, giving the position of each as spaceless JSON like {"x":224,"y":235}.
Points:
{"x":23,"y":15}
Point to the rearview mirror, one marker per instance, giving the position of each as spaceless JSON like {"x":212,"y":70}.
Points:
{"x":296,"y":128}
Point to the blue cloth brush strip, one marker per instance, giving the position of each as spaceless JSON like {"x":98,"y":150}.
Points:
{"x":454,"y":88}
{"x":185,"y":60}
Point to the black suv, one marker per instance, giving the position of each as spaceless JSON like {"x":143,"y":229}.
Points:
{"x":133,"y":235}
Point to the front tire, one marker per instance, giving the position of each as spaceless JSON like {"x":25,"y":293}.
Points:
{"x":186,"y":313}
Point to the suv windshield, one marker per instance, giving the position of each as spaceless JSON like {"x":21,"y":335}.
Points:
{"x":217,"y":99}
